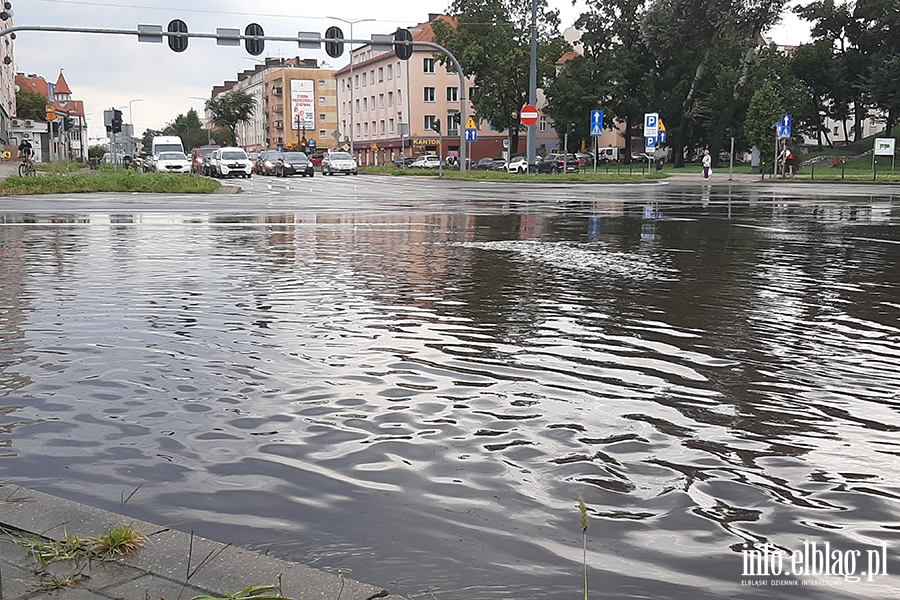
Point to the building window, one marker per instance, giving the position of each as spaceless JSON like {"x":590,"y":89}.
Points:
{"x":836,"y":131}
{"x":452,"y":94}
{"x":429,"y":122}
{"x":429,"y":94}
{"x":321,"y":83}
{"x":366,"y":129}
{"x":357,"y":130}
{"x":321,"y":116}
{"x":390,"y":98}
{"x":380,"y":74}
{"x":372,"y":76}
{"x":372,"y":102}
{"x":391,"y":126}
{"x":356,"y":81}
{"x":382,"y":127}
{"x":399,"y":70}
{"x":357,"y":105}
{"x":322,"y":133}
{"x":364,"y":78}
{"x":380,"y":100}
{"x":390,"y":72}
{"x":321,"y":99}
{"x":428,"y":65}
{"x":399,"y":98}
{"x":452,"y":122}
{"x":365,"y":104}
{"x":542,"y":126}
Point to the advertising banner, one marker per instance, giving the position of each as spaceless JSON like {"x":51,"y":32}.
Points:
{"x":302,"y":104}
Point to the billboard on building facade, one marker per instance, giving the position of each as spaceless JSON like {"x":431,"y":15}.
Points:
{"x":302,"y":104}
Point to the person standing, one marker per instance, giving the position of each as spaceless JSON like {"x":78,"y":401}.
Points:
{"x":707,"y":164}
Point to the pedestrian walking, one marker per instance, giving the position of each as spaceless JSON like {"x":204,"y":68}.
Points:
{"x":707,"y":164}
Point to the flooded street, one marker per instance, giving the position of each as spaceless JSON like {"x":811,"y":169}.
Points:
{"x":415,"y":382}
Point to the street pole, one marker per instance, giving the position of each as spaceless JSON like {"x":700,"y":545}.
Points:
{"x":352,"y":108}
{"x":731,"y":161}
{"x":532,"y":85}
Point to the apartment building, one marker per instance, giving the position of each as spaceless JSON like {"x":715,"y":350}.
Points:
{"x":296,"y":103}
{"x":388,"y":106}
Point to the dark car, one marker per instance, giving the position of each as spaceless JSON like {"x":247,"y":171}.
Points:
{"x":293,"y":163}
{"x":265,"y":164}
{"x":485,"y":164}
{"x":557,"y":163}
{"x":585,"y":158}
{"x":499,"y":164}
{"x":403,"y":161}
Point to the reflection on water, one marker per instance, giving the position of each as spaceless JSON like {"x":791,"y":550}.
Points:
{"x":420,"y":399}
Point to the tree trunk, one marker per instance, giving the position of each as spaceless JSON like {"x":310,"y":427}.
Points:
{"x":688,"y":104}
{"x":725,"y":119}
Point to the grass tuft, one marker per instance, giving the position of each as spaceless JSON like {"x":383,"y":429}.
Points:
{"x":119,"y":540}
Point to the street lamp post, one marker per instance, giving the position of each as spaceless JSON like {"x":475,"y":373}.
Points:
{"x":130,"y":114}
{"x":206,"y":122}
{"x":351,"y":24}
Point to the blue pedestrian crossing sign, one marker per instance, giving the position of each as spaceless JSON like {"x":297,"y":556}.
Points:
{"x":471,"y":135}
{"x":596,"y":123}
{"x":785,"y":126}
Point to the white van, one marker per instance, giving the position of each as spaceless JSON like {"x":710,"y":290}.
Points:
{"x":610,"y":154}
{"x":166,"y":143}
{"x":230,"y":162}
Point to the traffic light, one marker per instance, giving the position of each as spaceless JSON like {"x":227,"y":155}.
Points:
{"x":436,"y":125}
{"x":7,"y":11}
{"x":254,"y":47}
{"x":178,"y":43}
{"x":403,"y":51}
{"x":68,"y":124}
{"x":334,"y":49}
{"x":571,"y":129}
{"x":117,"y":121}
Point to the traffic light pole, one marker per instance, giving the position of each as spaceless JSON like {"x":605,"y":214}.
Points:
{"x":155,"y":34}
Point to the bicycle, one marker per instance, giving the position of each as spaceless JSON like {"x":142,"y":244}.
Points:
{"x":27,"y":169}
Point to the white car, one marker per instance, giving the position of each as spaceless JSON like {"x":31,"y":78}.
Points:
{"x":231,"y":162}
{"x":518,"y":164}
{"x":426,"y":162}
{"x":172,"y":162}
{"x":339,"y":162}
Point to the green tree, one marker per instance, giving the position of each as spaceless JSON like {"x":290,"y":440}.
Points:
{"x":492,"y":41}
{"x":31,"y":105}
{"x":765,"y":110}
{"x":231,"y":109}
{"x":96,"y":151}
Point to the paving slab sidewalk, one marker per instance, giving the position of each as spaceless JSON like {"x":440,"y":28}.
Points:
{"x":173,"y":566}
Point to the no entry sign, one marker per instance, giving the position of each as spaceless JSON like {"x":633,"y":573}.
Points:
{"x":528,"y":115}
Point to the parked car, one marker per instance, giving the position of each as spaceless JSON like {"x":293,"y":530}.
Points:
{"x":230,"y":162}
{"x":339,"y":162}
{"x":557,"y":163}
{"x":485,"y":164}
{"x":610,"y":154}
{"x":293,"y":163}
{"x":198,"y":158}
{"x":519,"y":164}
{"x":429,"y":161}
{"x":403,"y":161}
{"x":585,"y":159}
{"x":172,"y":162}
{"x":316,"y":158}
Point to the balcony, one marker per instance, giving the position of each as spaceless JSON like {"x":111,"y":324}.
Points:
{"x":276,"y":91}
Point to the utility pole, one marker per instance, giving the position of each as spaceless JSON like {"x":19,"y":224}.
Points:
{"x":532,"y":85}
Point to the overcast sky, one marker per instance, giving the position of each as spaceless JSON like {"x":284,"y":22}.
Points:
{"x":117,"y":71}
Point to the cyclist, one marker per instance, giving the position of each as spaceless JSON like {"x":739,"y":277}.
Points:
{"x":26,"y":151}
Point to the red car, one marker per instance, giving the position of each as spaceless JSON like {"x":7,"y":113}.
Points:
{"x":316,"y":158}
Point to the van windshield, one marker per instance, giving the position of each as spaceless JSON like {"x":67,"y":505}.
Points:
{"x":168,"y":148}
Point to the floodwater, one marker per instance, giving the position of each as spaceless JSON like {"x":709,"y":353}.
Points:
{"x":420,"y":397}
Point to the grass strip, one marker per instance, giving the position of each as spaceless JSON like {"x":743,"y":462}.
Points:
{"x":111,"y":180}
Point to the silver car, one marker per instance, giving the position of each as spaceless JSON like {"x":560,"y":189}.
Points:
{"x":339,"y":162}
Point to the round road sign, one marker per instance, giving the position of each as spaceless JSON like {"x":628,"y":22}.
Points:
{"x":528,"y":115}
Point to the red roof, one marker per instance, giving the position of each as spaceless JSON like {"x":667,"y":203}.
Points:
{"x":35,"y":83}
{"x":61,"y":86}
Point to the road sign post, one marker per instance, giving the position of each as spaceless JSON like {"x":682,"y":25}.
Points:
{"x":596,"y":132}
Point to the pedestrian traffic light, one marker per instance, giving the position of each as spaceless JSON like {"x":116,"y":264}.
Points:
{"x":117,"y":121}
{"x":68,"y":124}
{"x":178,"y":43}
{"x":403,"y":51}
{"x":254,"y":47}
{"x":334,"y":49}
